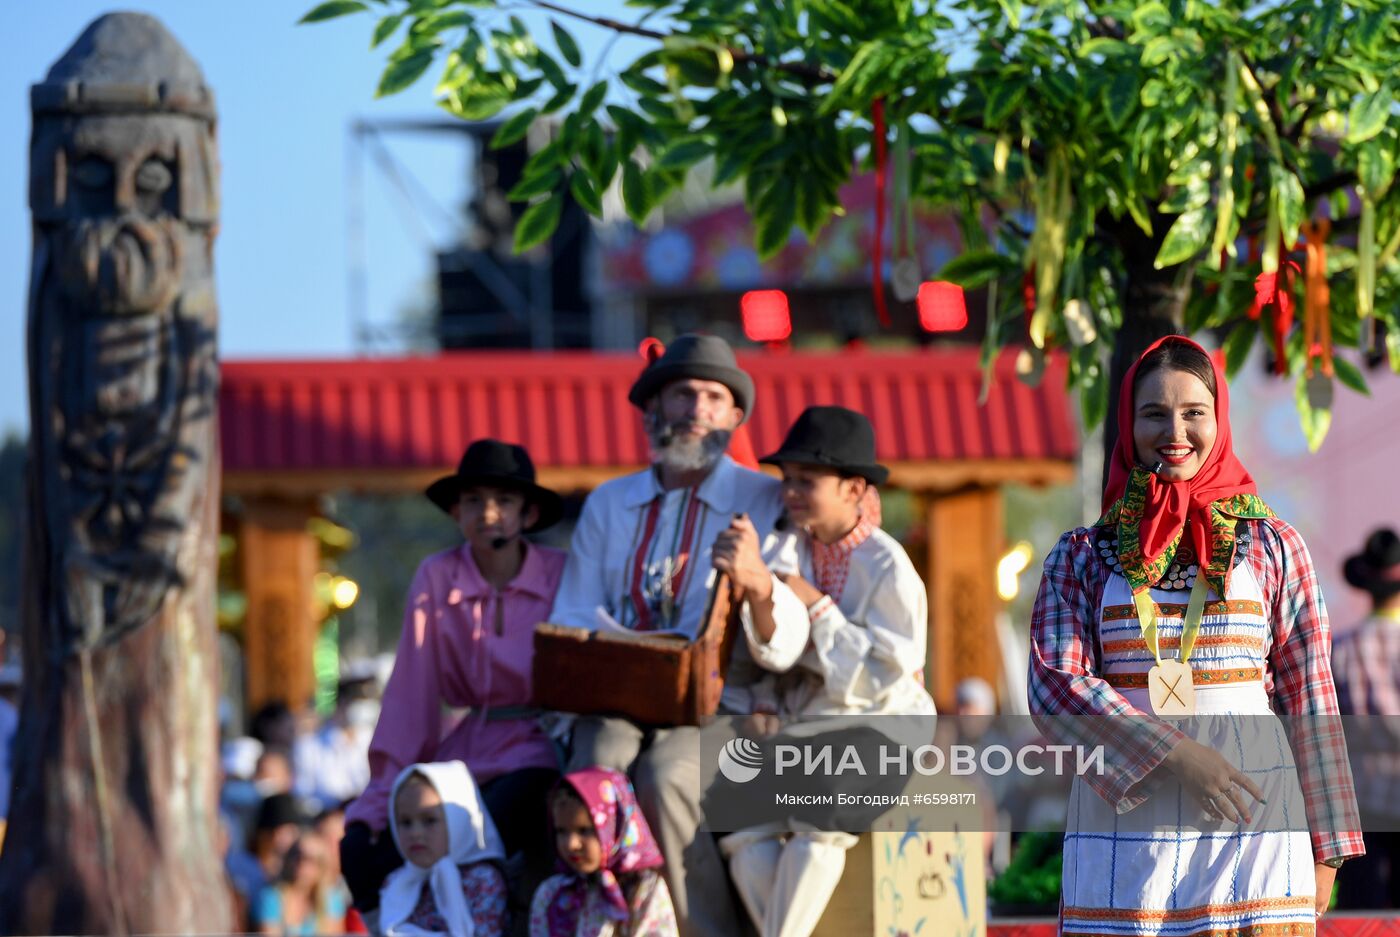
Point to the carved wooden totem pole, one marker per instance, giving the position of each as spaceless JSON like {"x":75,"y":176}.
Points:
{"x":114,"y":818}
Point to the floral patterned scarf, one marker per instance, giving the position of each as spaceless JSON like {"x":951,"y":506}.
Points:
{"x":627,"y":846}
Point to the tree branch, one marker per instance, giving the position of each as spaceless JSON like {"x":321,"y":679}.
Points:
{"x":603,"y":21}
{"x":1329,"y":184}
{"x":1105,"y":27}
{"x":811,"y":74}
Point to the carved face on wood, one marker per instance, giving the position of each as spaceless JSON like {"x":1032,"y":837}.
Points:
{"x":122,"y":319}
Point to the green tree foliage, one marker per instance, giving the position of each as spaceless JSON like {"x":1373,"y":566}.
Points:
{"x":1113,"y":154}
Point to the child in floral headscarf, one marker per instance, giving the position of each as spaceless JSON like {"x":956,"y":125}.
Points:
{"x":611,"y":885}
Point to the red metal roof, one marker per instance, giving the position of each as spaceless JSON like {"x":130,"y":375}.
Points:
{"x":570,"y":408}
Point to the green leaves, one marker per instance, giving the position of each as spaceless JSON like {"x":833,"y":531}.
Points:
{"x":592,"y":98}
{"x":385,"y":29}
{"x":1350,"y":375}
{"x":538,"y":222}
{"x":477,"y":101}
{"x":1185,"y":239}
{"x":1003,"y":98}
{"x":636,"y":194}
{"x":1237,"y":345}
{"x":581,"y":187}
{"x":1180,"y":129}
{"x":684,"y":153}
{"x":1369,"y":114}
{"x":1375,"y":167}
{"x":777,"y":213}
{"x":1314,"y":408}
{"x":332,"y":9}
{"x":514,"y":128}
{"x":404,"y":72}
{"x":1121,"y":99}
{"x":1289,"y":192}
{"x":567,"y":47}
{"x":535,"y":183}
{"x":978,"y":268}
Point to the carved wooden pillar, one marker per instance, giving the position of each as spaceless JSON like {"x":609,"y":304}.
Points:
{"x":113,"y":822}
{"x":279,"y":559}
{"x":964,"y":543}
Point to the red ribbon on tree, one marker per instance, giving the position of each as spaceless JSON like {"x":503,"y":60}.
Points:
{"x":1275,"y":291}
{"x":877,"y":117}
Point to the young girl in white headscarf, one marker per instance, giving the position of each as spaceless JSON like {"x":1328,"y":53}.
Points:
{"x":451,"y":881}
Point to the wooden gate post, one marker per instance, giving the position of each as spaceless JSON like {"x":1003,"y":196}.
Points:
{"x":965,"y":540}
{"x":279,"y":559}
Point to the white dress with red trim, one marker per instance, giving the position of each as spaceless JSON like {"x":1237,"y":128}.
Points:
{"x":1164,"y":867}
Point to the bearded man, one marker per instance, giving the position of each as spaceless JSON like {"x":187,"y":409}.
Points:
{"x":645,"y":554}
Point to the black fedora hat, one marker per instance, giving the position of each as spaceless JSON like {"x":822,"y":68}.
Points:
{"x":1376,"y":569}
{"x":700,"y":357}
{"x":491,"y":462}
{"x":832,"y":437}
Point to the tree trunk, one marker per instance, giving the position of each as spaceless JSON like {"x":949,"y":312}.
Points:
{"x":113,"y":826}
{"x":1153,"y":305}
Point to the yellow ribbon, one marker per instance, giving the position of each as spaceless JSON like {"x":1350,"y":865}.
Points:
{"x":1190,"y":627}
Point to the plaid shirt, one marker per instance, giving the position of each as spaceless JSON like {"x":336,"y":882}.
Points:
{"x":1366,"y":664}
{"x":1064,"y":679}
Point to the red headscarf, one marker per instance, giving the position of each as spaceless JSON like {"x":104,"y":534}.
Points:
{"x":1169,"y":504}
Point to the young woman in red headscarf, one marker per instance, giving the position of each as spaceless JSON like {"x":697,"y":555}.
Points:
{"x":1173,"y":631}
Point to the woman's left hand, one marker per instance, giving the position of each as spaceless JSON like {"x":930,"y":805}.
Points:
{"x":1325,"y":876}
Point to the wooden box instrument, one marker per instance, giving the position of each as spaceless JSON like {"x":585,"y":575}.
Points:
{"x":652,"y":679}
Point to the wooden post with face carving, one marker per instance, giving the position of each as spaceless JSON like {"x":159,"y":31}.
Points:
{"x":113,"y":823}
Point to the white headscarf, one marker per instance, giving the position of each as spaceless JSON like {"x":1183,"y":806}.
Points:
{"x":471,"y":837}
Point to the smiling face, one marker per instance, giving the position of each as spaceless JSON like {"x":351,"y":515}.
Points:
{"x":819,"y":499}
{"x":1173,"y":422}
{"x":575,"y":836}
{"x":422,"y":823}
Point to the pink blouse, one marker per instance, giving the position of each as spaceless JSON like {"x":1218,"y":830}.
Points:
{"x":464,"y":646}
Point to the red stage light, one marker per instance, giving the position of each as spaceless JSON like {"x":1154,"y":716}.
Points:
{"x":942,"y":306}
{"x":766,"y":316}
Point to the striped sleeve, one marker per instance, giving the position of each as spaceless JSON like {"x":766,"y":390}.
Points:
{"x":1300,"y":668}
{"x":1064,"y":680}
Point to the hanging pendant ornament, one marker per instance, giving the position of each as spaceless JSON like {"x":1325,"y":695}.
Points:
{"x":877,"y":259}
{"x":1079,"y":323}
{"x":905,"y":279}
{"x":905,"y":275}
{"x":1320,"y":391}
{"x":1030,"y":366}
{"x":1171,"y":690}
{"x":1317,"y":312}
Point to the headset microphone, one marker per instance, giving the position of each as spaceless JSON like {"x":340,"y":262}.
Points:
{"x":1156,"y":467}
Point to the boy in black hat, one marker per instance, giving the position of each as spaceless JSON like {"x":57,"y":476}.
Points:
{"x":866,"y":610}
{"x":468,"y":644}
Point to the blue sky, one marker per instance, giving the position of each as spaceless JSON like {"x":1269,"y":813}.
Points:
{"x":287,"y":95}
